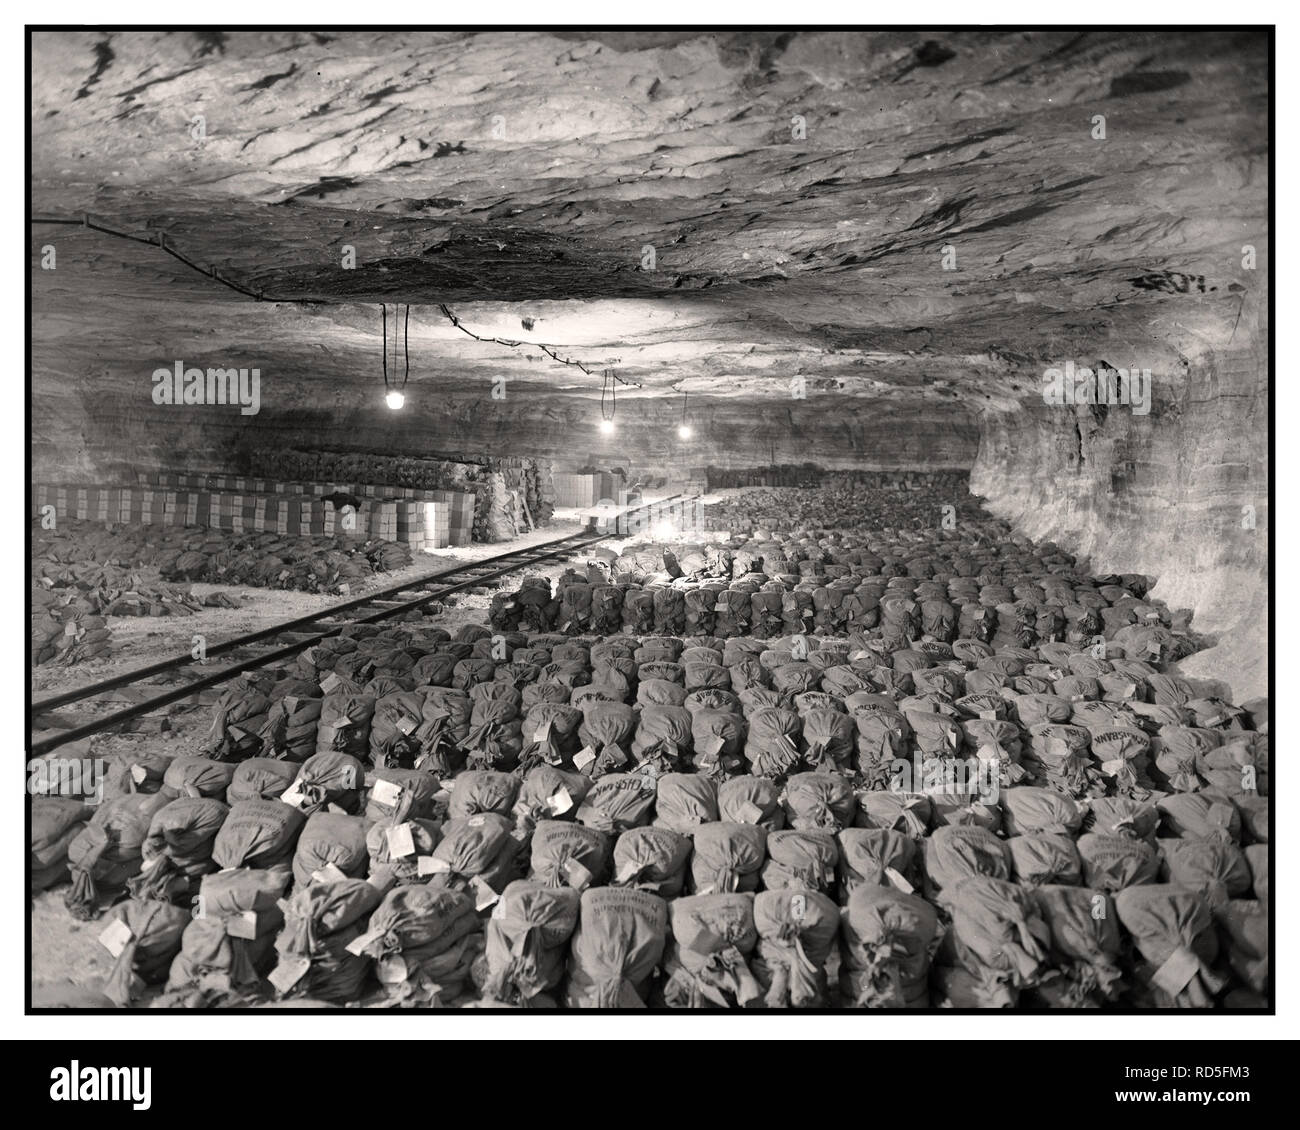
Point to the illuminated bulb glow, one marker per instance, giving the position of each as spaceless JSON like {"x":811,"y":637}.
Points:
{"x":684,"y":431}
{"x":607,"y":427}
{"x":394,"y":399}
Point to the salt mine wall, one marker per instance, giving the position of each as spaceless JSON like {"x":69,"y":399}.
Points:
{"x":109,"y":427}
{"x":1180,"y":493}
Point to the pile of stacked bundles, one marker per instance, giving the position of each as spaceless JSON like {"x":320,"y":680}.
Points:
{"x":899,"y":500}
{"x":991,"y":792}
{"x":113,"y":563}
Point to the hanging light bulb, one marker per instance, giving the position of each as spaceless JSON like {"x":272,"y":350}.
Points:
{"x":608,"y":398}
{"x":684,"y":429}
{"x":394,"y":397}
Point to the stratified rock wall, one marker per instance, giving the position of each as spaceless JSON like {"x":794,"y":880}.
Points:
{"x":1180,"y":494}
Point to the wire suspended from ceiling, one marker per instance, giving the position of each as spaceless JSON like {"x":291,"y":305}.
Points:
{"x":455,"y":321}
{"x":394,"y":394}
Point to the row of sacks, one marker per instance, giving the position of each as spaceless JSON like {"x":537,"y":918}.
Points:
{"x":897,"y":610}
{"x":188,"y":553}
{"x":1007,"y":896}
{"x":1059,"y":716}
{"x":836,"y":503}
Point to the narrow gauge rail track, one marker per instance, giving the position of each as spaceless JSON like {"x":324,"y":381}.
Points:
{"x":285,"y":640}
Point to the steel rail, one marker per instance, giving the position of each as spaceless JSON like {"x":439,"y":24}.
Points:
{"x":525,"y":556}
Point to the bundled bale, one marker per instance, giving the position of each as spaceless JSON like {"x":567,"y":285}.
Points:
{"x":876,"y":857}
{"x":617,"y":945}
{"x":957,"y":852}
{"x":476,"y":853}
{"x":886,"y":938}
{"x":801,"y":860}
{"x":260,"y":778}
{"x":177,"y":852}
{"x":797,"y":930}
{"x":569,"y":855}
{"x":771,"y":746}
{"x":230,"y":944}
{"x":550,"y":734}
{"x":237,"y":721}
{"x":548,"y":793}
{"x":1243,"y":934}
{"x":198,"y":777}
{"x":997,"y":940}
{"x":424,"y":941}
{"x":394,"y":730}
{"x":1218,"y":870}
{"x":527,"y":939}
{"x":344,"y":725}
{"x":143,"y":935}
{"x":396,"y":794}
{"x":316,"y":955}
{"x":325,"y":779}
{"x":260,"y":834}
{"x":684,"y":801}
{"x":617,"y":802}
{"x":291,"y":724}
{"x":1044,"y":858}
{"x":1173,"y":932}
{"x":652,"y":859}
{"x":330,"y":838}
{"x":819,"y":802}
{"x":1084,"y":947}
{"x":483,"y":790}
{"x":662,"y":743}
{"x":443,"y":730}
{"x":107,"y":851}
{"x":706,"y":960}
{"x":495,"y":738}
{"x":727,"y":858}
{"x":717,"y":741}
{"x":910,"y":813}
{"x":400,"y":850}
{"x":55,"y":822}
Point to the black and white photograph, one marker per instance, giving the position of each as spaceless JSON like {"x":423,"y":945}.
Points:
{"x":672,"y":521}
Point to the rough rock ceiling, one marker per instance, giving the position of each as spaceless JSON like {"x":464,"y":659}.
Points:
{"x":517,"y":178}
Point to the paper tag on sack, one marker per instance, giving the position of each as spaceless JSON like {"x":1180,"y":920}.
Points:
{"x":448,"y":783}
{"x":243,"y":925}
{"x":749,"y":813}
{"x":330,"y":873}
{"x":896,"y":878}
{"x":358,"y":945}
{"x":989,"y":715}
{"x":431,"y":865}
{"x":484,"y":896}
{"x":584,"y":757}
{"x":289,"y":972}
{"x":1180,"y":967}
{"x":629,"y":869}
{"x":139,"y":774}
{"x":115,"y":937}
{"x":543,"y":732}
{"x":559,"y":801}
{"x":292,"y":797}
{"x":579,"y":876}
{"x":330,"y":681}
{"x":400,"y":843}
{"x":406,"y":724}
{"x":334,"y":808}
{"x":386,"y":792}
{"x":475,"y":821}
